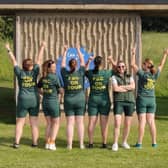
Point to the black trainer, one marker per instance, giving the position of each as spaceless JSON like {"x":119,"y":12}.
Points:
{"x":90,"y":146}
{"x":34,"y":145}
{"x":15,"y":145}
{"x":103,"y":146}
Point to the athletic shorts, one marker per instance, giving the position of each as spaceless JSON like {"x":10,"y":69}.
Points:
{"x":51,"y":108}
{"x":127,"y":107}
{"x":99,"y":104}
{"x":145,"y":104}
{"x":74,"y":104}
{"x":27,"y":105}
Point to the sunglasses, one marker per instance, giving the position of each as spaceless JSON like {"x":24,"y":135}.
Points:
{"x":122,"y":66}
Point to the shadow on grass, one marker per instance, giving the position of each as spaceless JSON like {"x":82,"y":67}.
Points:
{"x":162,"y":110}
{"x":60,"y":143}
{"x":7,"y":105}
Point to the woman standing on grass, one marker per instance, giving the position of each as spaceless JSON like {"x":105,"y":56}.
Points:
{"x":28,"y":99}
{"x":74,"y":98}
{"x":50,"y":87}
{"x":146,"y":102}
{"x":99,"y":100}
{"x":123,"y":87}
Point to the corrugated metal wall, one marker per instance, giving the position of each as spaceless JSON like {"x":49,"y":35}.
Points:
{"x":103,"y":34}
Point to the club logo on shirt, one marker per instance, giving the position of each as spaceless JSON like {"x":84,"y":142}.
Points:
{"x":98,"y":83}
{"x":46,"y":88}
{"x":28,"y":82}
{"x":150,"y":84}
{"x":74,"y":83}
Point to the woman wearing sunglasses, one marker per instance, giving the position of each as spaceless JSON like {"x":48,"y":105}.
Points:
{"x":50,"y":88}
{"x":123,"y":92}
{"x":145,"y":102}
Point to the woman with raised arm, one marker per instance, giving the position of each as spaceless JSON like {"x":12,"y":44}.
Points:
{"x":50,"y":87}
{"x":146,"y":102}
{"x":99,"y":100}
{"x":123,"y":92}
{"x":74,"y":98}
{"x":28,"y":98}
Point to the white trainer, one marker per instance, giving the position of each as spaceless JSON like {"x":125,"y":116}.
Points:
{"x":52,"y":147}
{"x":47,"y":146}
{"x":69,"y":147}
{"x":115,"y":147}
{"x":82,"y":146}
{"x":125,"y":145}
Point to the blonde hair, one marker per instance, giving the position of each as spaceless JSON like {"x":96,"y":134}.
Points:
{"x":150,"y":65}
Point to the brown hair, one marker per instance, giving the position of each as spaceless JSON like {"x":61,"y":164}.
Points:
{"x":72,"y":65}
{"x":44,"y":68}
{"x":116,"y":67}
{"x":27,"y":63}
{"x":150,"y":65}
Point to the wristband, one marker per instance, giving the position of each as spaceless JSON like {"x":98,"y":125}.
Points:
{"x":8,"y":50}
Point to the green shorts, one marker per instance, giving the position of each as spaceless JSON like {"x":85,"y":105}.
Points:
{"x":145,"y":104}
{"x":27,"y":105}
{"x":127,"y":107}
{"x":51,"y":108}
{"x":99,"y":104}
{"x":74,"y":104}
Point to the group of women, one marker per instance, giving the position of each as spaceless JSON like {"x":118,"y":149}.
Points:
{"x":74,"y":98}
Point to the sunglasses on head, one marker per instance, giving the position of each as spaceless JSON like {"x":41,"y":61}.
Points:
{"x":50,"y":63}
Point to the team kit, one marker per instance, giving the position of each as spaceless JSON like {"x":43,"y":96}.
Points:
{"x":98,"y":102}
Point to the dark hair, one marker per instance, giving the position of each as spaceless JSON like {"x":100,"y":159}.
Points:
{"x":26,"y":64}
{"x":150,"y":66}
{"x":72,"y":65}
{"x":97,"y":63}
{"x":50,"y":62}
{"x":44,"y":68}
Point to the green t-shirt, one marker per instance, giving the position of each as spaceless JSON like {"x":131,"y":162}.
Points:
{"x":27,"y":80}
{"x":146,"y":83}
{"x":99,"y":80}
{"x":73,"y":82}
{"x":50,"y":85}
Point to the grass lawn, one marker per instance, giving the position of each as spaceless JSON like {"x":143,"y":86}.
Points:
{"x":28,"y":157}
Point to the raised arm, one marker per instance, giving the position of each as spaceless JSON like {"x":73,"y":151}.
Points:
{"x":163,"y":60}
{"x":11,"y":55}
{"x":63,"y":64}
{"x":81,"y":58}
{"x":91,"y":58}
{"x":133,"y":60}
{"x":40,"y":55}
{"x":111,"y":61}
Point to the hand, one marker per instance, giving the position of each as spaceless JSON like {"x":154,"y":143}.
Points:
{"x":166,"y":51}
{"x":78,"y":47}
{"x":133,"y":51}
{"x":43,"y":44}
{"x":7,"y":46}
{"x":65,"y":47}
{"x":91,"y":58}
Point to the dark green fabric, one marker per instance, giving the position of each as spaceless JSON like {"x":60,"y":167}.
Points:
{"x":73,"y":82}
{"x":99,"y":81}
{"x":146,"y":83}
{"x":123,"y":96}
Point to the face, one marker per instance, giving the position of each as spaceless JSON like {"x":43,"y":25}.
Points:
{"x":145,"y":66}
{"x":121,"y":68}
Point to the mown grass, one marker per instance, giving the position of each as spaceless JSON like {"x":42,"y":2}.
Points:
{"x":27,"y":157}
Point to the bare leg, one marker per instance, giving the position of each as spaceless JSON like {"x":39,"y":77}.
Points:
{"x":70,"y":130}
{"x":141,"y":127}
{"x":104,"y":127}
{"x":55,"y":122}
{"x":117,"y":124}
{"x":34,"y":128}
{"x":80,"y":128}
{"x":127,"y":126}
{"x":151,"y":122}
{"x":48,"y":128}
{"x":19,"y":129}
{"x":91,"y":127}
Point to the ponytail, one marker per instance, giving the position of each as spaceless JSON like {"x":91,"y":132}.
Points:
{"x":97,"y":63}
